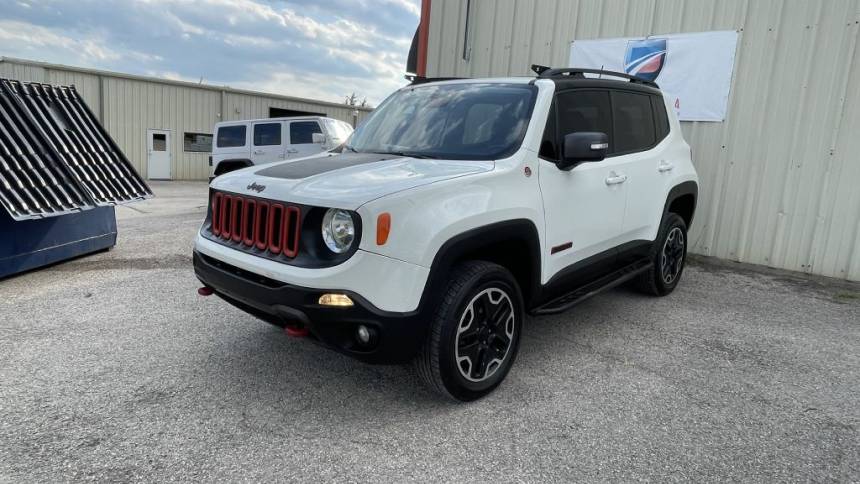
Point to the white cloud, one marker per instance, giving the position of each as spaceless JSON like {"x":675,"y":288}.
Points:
{"x":19,"y":36}
{"x":324,"y":50}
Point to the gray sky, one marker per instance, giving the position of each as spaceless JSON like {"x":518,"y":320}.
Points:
{"x":323,"y":49}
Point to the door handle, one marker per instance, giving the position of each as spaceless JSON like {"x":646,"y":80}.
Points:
{"x":615,"y":179}
{"x":292,"y":150}
{"x":259,"y":152}
{"x":664,"y":166}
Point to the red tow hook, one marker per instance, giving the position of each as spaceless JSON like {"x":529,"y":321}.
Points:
{"x":205,"y":291}
{"x":296,"y":331}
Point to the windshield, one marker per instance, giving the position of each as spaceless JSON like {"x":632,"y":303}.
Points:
{"x":474,"y":121}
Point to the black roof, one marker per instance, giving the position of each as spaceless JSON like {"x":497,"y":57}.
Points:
{"x":55,"y":157}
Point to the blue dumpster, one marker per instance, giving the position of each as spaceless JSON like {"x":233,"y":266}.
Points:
{"x":61,"y":175}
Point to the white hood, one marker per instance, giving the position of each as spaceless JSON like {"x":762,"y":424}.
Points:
{"x":344,"y":181}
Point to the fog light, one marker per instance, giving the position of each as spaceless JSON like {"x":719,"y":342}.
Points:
{"x":363,"y":334}
{"x":340,"y":300}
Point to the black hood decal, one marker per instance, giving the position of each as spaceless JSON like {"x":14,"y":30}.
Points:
{"x":314,"y":166}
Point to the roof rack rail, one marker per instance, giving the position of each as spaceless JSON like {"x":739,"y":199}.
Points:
{"x":413,"y":80}
{"x":546,"y":72}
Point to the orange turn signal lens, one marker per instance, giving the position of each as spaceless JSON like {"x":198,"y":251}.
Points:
{"x":383,"y":227}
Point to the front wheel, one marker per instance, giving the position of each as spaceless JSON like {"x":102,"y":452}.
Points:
{"x":475,"y":333}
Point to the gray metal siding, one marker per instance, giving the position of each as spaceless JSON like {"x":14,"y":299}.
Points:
{"x":779,"y":179}
{"x":133,"y":104}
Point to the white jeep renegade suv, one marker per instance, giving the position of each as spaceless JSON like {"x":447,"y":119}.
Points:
{"x":457,"y":208}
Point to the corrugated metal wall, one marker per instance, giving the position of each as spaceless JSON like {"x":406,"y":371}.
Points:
{"x":780,"y":179}
{"x":134,"y":104}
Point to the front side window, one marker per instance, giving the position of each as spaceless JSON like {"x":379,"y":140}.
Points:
{"x":468,"y":121}
{"x":634,"y":122}
{"x":231,"y":136}
{"x":584,"y":111}
{"x":301,"y":132}
{"x":267,"y":134}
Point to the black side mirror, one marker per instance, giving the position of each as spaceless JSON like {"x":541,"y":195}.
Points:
{"x":583,"y":147}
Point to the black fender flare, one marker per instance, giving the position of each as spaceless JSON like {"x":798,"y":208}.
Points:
{"x":238,"y":161}
{"x":685,"y":188}
{"x":516,"y":230}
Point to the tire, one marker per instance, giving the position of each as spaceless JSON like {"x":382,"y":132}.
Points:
{"x":466,"y":356}
{"x":667,"y":268}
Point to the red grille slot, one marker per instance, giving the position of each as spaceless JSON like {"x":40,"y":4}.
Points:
{"x":290,"y":237}
{"x":236,"y":224}
{"x":261,"y":238}
{"x":216,"y":214}
{"x":276,"y":228}
{"x":226,"y":216}
{"x":253,"y":223}
{"x":249,"y":222}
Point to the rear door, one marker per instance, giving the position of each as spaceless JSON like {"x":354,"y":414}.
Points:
{"x":268,"y":143}
{"x":638,"y":136}
{"x":301,"y":141}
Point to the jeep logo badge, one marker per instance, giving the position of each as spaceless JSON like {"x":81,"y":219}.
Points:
{"x":255,"y":187}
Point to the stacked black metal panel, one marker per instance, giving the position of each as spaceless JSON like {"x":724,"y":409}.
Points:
{"x":55,"y":157}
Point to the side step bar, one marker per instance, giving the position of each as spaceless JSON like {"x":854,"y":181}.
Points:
{"x":571,"y":299}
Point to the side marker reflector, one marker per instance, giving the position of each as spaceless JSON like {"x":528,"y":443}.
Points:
{"x":205,"y":291}
{"x":296,"y":331}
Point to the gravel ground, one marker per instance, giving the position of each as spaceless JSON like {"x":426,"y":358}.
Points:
{"x":112,"y":368}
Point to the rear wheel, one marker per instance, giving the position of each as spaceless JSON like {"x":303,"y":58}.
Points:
{"x":668,"y":256}
{"x":475,"y":334}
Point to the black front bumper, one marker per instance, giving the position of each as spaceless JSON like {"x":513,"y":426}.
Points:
{"x":397,"y":336}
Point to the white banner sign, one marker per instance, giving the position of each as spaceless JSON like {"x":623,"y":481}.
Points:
{"x":693,"y":70}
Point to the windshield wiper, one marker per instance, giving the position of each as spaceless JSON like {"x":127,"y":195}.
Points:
{"x":420,"y":156}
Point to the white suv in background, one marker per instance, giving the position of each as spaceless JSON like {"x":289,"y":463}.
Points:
{"x":457,"y":208}
{"x":240,"y":144}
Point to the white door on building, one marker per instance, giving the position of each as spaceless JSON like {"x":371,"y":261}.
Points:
{"x":158,"y":154}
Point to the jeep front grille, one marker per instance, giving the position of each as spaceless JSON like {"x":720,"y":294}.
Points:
{"x":255,"y":224}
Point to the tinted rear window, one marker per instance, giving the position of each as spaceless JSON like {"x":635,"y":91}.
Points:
{"x":661,"y":119}
{"x":231,"y":136}
{"x":634,"y":122}
{"x":267,"y":134}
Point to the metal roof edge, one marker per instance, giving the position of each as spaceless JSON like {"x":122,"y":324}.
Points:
{"x":210,"y":87}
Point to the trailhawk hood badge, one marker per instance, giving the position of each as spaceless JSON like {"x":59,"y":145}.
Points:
{"x":256,"y":187}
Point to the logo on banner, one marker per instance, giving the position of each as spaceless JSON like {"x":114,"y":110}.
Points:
{"x":645,"y":58}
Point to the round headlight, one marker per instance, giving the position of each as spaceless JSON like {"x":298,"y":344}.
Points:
{"x":338,"y":230}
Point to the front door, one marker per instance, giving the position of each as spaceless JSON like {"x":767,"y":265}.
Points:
{"x":584,"y":206}
{"x":158,"y":154}
{"x":267,"y":142}
{"x":301,"y":139}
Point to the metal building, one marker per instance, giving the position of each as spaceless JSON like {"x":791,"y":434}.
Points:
{"x":779,"y":178}
{"x":142,"y":113}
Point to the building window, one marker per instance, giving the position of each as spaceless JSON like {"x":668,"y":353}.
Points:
{"x":198,"y":142}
